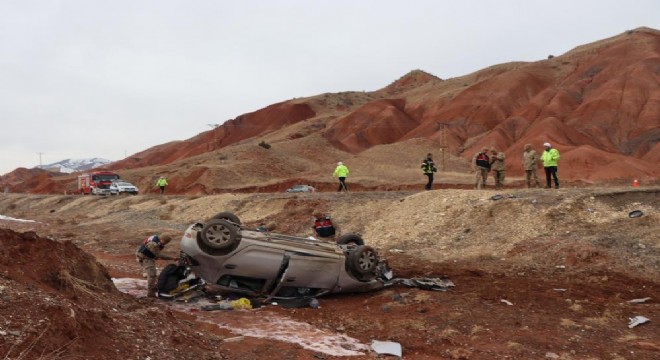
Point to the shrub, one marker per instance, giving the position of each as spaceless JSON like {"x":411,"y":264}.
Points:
{"x":264,"y":145}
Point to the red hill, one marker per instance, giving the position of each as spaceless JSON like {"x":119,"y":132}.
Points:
{"x":599,"y":104}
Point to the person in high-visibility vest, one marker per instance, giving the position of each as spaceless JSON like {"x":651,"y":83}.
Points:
{"x":549,"y":158}
{"x":341,"y":172}
{"x":161,"y":183}
{"x":428,"y":167}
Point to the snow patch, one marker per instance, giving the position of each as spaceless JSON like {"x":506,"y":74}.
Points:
{"x":9,"y":218}
{"x":72,"y":165}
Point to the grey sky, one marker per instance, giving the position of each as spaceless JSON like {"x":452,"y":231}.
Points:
{"x":82,"y":79}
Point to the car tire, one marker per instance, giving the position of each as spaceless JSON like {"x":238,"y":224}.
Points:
{"x":350,"y":239}
{"x":226,"y":215}
{"x":362,"y":262}
{"x":218,"y":236}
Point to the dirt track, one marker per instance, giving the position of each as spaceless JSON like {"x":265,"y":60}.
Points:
{"x":568,"y":261}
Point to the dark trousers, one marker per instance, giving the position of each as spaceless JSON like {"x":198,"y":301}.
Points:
{"x":342,"y":184}
{"x":162,"y":189}
{"x":551,"y":173}
{"x":429,"y":184}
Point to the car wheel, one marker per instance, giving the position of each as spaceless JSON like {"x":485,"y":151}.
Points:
{"x":350,"y":239}
{"x":362,"y":261}
{"x":219,"y":235}
{"x":226,"y":215}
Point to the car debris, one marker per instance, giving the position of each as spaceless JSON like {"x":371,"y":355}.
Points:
{"x":635,"y":214}
{"x":639,"y":301}
{"x":238,"y":304}
{"x":314,"y":303}
{"x":386,"y":347}
{"x":637,"y":320}
{"x":496,"y":197}
{"x":438,"y":284}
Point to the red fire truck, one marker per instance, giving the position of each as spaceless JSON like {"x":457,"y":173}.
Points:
{"x":96,"y":182}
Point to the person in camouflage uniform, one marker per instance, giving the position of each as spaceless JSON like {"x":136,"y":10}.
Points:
{"x":497,"y":165}
{"x":146,"y":256}
{"x":530,"y":164}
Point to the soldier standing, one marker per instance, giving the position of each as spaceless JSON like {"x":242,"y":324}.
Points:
{"x":497,"y":165}
{"x":428,"y":167}
{"x":146,"y":256}
{"x":530,"y":164}
{"x":481,"y":166}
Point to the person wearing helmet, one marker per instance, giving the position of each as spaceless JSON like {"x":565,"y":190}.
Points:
{"x":147,"y":254}
{"x":341,"y":172}
{"x":550,"y":158}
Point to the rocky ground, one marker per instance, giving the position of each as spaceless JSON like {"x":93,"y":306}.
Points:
{"x":538,"y":274}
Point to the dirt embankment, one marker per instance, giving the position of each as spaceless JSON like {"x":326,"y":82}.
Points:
{"x":568,"y":261}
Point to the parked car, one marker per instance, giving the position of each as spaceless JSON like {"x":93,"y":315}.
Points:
{"x":300,"y":188}
{"x":123,"y":187}
{"x":260,"y":263}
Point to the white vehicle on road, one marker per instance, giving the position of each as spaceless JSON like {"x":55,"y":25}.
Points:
{"x":123,"y":187}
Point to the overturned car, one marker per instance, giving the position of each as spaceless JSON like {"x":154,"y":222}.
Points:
{"x":260,"y":263}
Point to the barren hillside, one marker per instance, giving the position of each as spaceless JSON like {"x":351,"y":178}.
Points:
{"x":598,"y":104}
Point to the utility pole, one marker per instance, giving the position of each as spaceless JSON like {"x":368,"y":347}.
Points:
{"x":40,"y":153}
{"x":443,"y":146}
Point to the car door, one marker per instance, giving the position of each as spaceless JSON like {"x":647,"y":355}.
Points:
{"x":254,"y":266}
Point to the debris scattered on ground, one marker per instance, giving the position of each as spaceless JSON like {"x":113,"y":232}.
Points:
{"x":314,"y":303}
{"x":437,"y":284}
{"x":386,"y":347}
{"x":507,"y":302}
{"x":496,"y":197}
{"x":635,"y":214}
{"x":639,"y":301}
{"x":637,"y":320}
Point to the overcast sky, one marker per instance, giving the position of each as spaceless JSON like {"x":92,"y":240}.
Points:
{"x":82,"y":79}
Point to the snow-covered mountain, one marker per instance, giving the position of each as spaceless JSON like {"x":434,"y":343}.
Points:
{"x":73,"y":165}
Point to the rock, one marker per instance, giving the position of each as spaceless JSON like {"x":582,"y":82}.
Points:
{"x":551,"y":355}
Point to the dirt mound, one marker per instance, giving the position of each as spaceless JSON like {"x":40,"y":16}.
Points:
{"x":58,"y":302}
{"x":50,"y":265}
